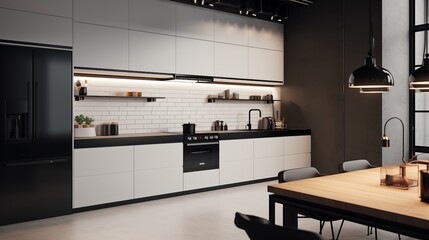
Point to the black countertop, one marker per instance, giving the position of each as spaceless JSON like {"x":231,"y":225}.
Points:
{"x":173,"y":137}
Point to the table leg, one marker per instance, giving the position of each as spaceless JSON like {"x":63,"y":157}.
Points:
{"x":272,"y":209}
{"x":290,"y":216}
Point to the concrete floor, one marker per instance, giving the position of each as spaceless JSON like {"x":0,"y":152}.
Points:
{"x":208,"y":216}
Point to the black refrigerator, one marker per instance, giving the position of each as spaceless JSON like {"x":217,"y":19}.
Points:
{"x":36,"y":133}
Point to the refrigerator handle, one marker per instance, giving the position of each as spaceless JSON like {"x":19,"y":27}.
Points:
{"x":36,"y":109}
{"x":28,"y":131}
{"x":29,"y":163}
{"x":4,"y":120}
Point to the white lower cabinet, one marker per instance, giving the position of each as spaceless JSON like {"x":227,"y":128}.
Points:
{"x":158,"y":169}
{"x":297,"y":161}
{"x":102,"y":175}
{"x":236,"y":171}
{"x":252,"y":159}
{"x":153,"y":182}
{"x":268,"y":167}
{"x":201,"y":179}
{"x":236,"y":161}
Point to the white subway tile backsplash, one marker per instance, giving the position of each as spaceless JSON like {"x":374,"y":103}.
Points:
{"x":183,"y":103}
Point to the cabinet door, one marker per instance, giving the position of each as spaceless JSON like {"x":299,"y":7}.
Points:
{"x":100,"y":47}
{"x":160,"y":181}
{"x":62,"y":8}
{"x":231,"y":28}
{"x":194,"y":57}
{"x":297,"y":161}
{"x":268,"y":147}
{"x":268,"y":167}
{"x":156,"y":16}
{"x":158,"y":169}
{"x":151,"y":52}
{"x":194,"y":22}
{"x":112,"y":13}
{"x":266,"y":65}
{"x":200,"y":179}
{"x":236,"y":161}
{"x":102,"y":175}
{"x":264,"y":34}
{"x":236,"y":171}
{"x":35,"y":28}
{"x":235,"y":150}
{"x":231,"y":61}
{"x":154,"y":156}
{"x":297,"y":144}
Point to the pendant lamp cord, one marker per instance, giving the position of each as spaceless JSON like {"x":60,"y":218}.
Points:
{"x":371,"y":31}
{"x":425,"y":50}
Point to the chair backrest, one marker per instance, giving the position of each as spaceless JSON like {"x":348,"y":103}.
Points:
{"x":258,"y":228}
{"x":298,"y":174}
{"x":354,"y":165}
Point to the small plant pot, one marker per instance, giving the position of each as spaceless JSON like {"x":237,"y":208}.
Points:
{"x":84,"y":131}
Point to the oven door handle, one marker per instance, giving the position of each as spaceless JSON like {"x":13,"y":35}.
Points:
{"x":200,"y":152}
{"x":201,"y":144}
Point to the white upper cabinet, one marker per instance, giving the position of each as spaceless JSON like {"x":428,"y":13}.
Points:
{"x":100,"y":47}
{"x":266,"y":65}
{"x":231,"y":29}
{"x":62,"y":8}
{"x":194,"y":57}
{"x":156,"y":16}
{"x":35,"y":28}
{"x":194,"y":22}
{"x":264,"y":34}
{"x":112,"y":13}
{"x":152,"y":52}
{"x":231,"y":61}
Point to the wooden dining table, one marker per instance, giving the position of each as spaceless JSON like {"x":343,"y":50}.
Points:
{"x":354,"y":196}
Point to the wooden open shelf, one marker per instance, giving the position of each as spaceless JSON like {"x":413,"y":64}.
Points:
{"x":211,"y":100}
{"x":148,"y":99}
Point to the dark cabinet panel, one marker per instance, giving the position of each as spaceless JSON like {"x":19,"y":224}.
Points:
{"x":34,"y":190}
{"x":52,"y":104}
{"x":16,"y":66}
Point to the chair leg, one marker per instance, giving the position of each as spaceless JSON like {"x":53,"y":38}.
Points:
{"x":367,"y":230}
{"x":332,"y":231}
{"x":376,"y":235}
{"x":339,"y":230}
{"x":321,"y":225}
{"x":399,"y":236}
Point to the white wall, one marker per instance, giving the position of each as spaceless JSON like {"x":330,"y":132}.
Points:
{"x":185,"y":102}
{"x":395,"y":58}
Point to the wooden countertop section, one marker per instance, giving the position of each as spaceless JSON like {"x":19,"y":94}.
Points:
{"x":360,"y":192}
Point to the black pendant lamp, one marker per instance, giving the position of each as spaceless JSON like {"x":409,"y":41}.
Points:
{"x":419,"y":79}
{"x":370,"y":78}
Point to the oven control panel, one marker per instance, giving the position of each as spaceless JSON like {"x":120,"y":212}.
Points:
{"x":201,"y":138}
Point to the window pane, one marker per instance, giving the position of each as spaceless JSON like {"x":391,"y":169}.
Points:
{"x":422,"y":101}
{"x":419,"y":45}
{"x":419,"y":12}
{"x":422,"y":129}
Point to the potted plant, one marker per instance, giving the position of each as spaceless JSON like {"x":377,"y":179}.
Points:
{"x":84,"y":126}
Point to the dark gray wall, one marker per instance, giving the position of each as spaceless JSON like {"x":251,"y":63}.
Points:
{"x":324,"y":43}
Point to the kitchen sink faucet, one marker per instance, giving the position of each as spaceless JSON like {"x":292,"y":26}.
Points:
{"x":249,"y":125}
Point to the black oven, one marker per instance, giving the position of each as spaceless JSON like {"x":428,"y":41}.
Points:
{"x":200,"y":152}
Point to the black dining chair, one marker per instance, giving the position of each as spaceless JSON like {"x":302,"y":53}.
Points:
{"x":303,"y":173}
{"x":355,"y":165}
{"x":258,"y":228}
